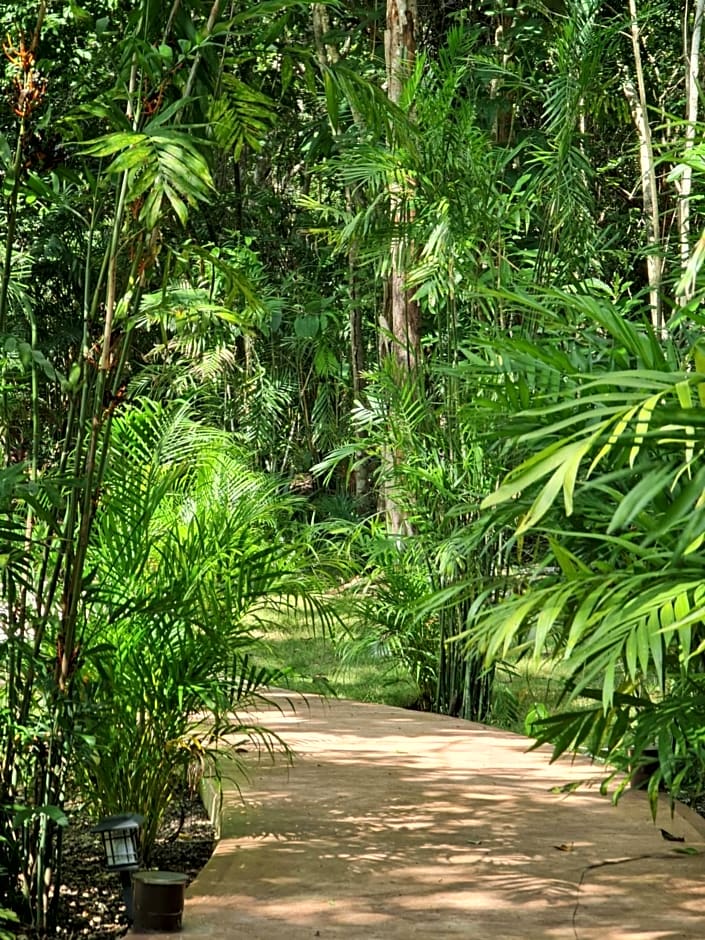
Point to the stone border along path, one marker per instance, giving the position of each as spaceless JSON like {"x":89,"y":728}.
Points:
{"x":396,"y":824}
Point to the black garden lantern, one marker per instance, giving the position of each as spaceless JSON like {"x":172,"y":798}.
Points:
{"x":120,"y":839}
{"x":120,"y":836}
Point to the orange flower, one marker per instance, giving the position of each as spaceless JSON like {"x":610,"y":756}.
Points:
{"x":28,"y":83}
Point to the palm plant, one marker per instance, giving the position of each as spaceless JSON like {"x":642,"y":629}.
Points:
{"x":189,"y":544}
{"x":577,"y":87}
{"x":156,"y":169}
{"x":439,"y":485}
{"x":605,"y":506}
{"x":461,"y":223}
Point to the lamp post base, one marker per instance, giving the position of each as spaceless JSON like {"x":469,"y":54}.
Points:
{"x":128,"y":895}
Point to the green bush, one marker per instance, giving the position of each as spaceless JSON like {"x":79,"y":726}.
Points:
{"x":187,"y":546}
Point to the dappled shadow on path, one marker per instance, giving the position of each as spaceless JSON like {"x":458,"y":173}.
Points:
{"x":392,"y":824}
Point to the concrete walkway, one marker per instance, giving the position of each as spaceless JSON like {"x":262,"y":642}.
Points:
{"x":393,"y":825}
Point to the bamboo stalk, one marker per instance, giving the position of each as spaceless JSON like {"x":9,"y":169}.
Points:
{"x":638,"y":105}
{"x":210,"y":24}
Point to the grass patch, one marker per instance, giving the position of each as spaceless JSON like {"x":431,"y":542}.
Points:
{"x":314,"y":662}
{"x":528,"y":690}
{"x":313,"y":659}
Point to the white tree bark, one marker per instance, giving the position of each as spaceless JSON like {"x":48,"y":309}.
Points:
{"x":685,"y":184}
{"x":638,"y":105}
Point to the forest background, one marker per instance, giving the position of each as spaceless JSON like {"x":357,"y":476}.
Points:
{"x":384,"y":316}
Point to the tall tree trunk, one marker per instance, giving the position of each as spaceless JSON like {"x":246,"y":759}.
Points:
{"x":685,"y":186}
{"x":637,"y":103}
{"x":502,"y":97}
{"x":403,"y":323}
{"x":400,"y":321}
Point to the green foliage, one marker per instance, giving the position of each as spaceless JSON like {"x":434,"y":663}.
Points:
{"x":188,"y":545}
{"x":383,"y":617}
{"x":161,"y":167}
{"x":208,"y":211}
{"x":241,"y":117}
{"x":323,"y":657}
{"x":415,"y":603}
{"x":85,"y":229}
{"x":7,"y":917}
{"x":608,"y":495}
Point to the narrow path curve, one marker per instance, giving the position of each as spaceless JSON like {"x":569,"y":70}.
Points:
{"x":391,"y":825}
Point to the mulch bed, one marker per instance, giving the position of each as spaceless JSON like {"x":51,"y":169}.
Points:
{"x":91,"y":897}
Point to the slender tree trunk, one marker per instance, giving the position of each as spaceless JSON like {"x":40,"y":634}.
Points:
{"x":326,"y":53}
{"x":502,"y":98}
{"x":692,"y":53}
{"x":403,"y":323}
{"x":637,"y":103}
{"x":400,"y":327}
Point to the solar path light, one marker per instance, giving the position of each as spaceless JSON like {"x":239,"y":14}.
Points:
{"x":120,"y":836}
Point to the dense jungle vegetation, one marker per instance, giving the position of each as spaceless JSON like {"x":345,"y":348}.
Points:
{"x":384,"y":316}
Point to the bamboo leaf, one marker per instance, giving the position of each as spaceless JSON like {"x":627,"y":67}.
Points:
{"x":112,"y":143}
{"x":543,"y":501}
{"x":529,"y":472}
{"x":639,"y":497}
{"x":642,"y":426}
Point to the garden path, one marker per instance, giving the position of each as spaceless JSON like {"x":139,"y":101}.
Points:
{"x":394,"y":825}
